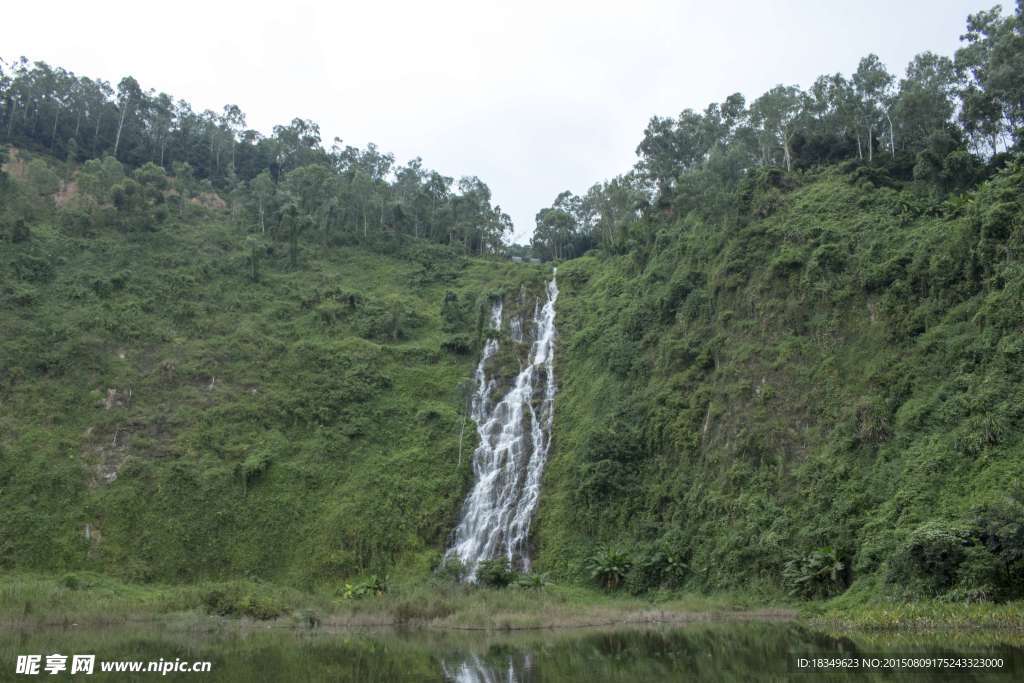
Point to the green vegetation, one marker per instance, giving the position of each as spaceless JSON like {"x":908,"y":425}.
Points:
{"x":829,"y":392}
{"x":790,"y":358}
{"x":169,"y":416}
{"x":234,"y":369}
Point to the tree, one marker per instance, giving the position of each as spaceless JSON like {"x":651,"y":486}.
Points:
{"x":263,"y":189}
{"x":98,"y":176}
{"x":42,"y":182}
{"x":294,"y":223}
{"x":658,"y":154}
{"x":872,"y":83}
{"x":557,"y":228}
{"x":991,"y":69}
{"x":128,"y":95}
{"x":314,"y":189}
{"x":233,"y":121}
{"x":297,"y":144}
{"x":777,"y":113}
{"x":162,"y":115}
{"x":925,"y":101}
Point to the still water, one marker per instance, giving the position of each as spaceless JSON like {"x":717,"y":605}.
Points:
{"x":700,"y":652}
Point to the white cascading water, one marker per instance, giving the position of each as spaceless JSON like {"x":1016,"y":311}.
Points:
{"x":474,"y":669}
{"x":514,"y":436}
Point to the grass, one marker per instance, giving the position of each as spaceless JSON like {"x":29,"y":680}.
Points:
{"x":84,"y":598}
{"x":921,"y":616}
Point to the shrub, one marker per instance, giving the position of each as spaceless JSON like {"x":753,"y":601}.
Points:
{"x":75,"y":582}
{"x":459,"y":344}
{"x":19,"y":231}
{"x":532,"y":581}
{"x":659,"y":567}
{"x":609,"y":567}
{"x":931,"y":556}
{"x":452,"y":569}
{"x":253,"y":467}
{"x":496,"y":573}
{"x":819,"y":574}
{"x":372,"y":586}
{"x":232,"y":601}
{"x":421,"y":609}
{"x":999,"y":528}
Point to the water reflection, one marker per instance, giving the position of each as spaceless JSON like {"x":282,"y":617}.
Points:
{"x":704,"y":652}
{"x":474,"y":669}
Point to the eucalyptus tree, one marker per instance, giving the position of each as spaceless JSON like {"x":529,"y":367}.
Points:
{"x":128,"y":96}
{"x":439,"y":191}
{"x":409,"y":181}
{"x":16,"y":94}
{"x":925,"y":103}
{"x":96,"y":96}
{"x":263,"y":191}
{"x":612,"y":206}
{"x":313,"y":189}
{"x":873,"y":85}
{"x":297,"y":144}
{"x":991,"y":69}
{"x":162,"y":120}
{"x":777,"y":115}
{"x":233,"y":122}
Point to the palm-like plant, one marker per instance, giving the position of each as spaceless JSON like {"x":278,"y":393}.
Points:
{"x":609,"y":566}
{"x":819,"y":573}
{"x":532,"y":581}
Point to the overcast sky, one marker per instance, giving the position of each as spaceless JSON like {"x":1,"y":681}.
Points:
{"x":533,"y":97}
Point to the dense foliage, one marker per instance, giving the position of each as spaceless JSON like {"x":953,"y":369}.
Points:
{"x":796,"y":364}
{"x":283,"y":184}
{"x":932,"y":123}
{"x":180,"y":403}
{"x":825,"y":386}
{"x":791,"y":344}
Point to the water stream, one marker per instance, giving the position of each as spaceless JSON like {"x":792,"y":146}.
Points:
{"x":515,"y":433}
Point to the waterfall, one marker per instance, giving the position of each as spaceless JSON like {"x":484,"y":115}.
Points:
{"x":514,"y":436}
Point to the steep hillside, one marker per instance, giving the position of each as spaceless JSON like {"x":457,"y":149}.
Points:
{"x":180,"y":402}
{"x":825,"y":388}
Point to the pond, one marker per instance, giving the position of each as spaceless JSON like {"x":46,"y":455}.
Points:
{"x":742,"y":651}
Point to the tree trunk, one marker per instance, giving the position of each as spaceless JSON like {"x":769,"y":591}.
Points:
{"x":871,"y":144}
{"x":10,"y":117}
{"x":860,"y":151}
{"x":96,"y":135}
{"x":785,"y":151}
{"x":53,"y":133}
{"x":120,"y":127}
{"x":892,"y":135}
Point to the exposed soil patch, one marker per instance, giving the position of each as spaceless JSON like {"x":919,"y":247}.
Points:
{"x":209,"y":200}
{"x":67,"y":192}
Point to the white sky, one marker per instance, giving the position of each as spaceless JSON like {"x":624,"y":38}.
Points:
{"x":533,"y":97}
